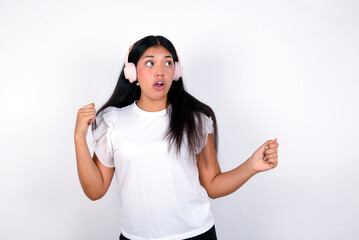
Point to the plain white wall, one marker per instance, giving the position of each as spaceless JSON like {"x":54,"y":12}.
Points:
{"x":285,"y":69}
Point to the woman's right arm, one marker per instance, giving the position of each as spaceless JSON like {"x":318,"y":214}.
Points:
{"x":95,"y":178}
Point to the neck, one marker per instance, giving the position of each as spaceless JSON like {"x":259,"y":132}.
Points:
{"x":152,"y":105}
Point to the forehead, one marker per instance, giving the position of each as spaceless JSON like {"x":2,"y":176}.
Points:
{"x":158,"y":51}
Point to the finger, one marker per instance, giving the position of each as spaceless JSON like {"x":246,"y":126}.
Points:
{"x":87,"y":119}
{"x":265,"y":145}
{"x":87,"y":115}
{"x":270,"y":150}
{"x":273,"y":162}
{"x":87,"y":110}
{"x":269,"y":156}
{"x":90,"y":118}
{"x":90,"y":121}
{"x":272,"y":155}
{"x":91,"y":105}
{"x":273,"y":145}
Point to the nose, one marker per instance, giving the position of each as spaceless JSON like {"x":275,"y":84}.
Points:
{"x":159,"y":71}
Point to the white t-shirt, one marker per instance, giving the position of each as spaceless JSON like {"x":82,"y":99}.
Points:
{"x":160,"y":193}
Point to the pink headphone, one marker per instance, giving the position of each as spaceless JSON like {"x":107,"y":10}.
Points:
{"x":130,"y":69}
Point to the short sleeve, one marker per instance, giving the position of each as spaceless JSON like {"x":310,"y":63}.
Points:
{"x":207,"y":128}
{"x":102,"y":136}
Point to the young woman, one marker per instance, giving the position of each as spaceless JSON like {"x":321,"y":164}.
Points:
{"x":162,"y":142}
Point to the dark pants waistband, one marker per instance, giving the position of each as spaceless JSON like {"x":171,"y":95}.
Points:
{"x":209,"y":235}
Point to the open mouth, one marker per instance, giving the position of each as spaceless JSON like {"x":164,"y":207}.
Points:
{"x":159,"y":84}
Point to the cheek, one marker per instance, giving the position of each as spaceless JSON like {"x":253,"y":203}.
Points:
{"x":170,"y":71}
{"x":143,"y":72}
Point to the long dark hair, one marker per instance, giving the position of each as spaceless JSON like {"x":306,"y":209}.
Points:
{"x":185,"y":112}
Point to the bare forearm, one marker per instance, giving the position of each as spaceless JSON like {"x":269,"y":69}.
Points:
{"x":89,"y":174}
{"x":228,"y":182}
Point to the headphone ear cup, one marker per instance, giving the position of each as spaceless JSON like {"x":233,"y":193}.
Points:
{"x":130,"y":72}
{"x":178,"y":71}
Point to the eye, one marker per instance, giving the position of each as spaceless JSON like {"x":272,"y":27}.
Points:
{"x":169,"y":63}
{"x":149,"y":64}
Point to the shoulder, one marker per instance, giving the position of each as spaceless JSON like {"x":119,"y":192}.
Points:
{"x":203,"y":119}
{"x":113,"y":111}
{"x":203,"y":123}
{"x":109,"y":110}
{"x":110,"y":114}
{"x":107,"y":114}
{"x":208,"y":124}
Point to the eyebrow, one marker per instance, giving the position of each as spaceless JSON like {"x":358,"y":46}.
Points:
{"x":151,"y":56}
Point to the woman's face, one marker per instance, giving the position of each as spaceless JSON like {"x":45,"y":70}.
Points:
{"x":155,"y":72}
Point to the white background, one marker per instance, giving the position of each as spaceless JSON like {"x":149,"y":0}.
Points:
{"x":269,"y":69}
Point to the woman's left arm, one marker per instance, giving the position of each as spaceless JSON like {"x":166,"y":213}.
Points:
{"x":220,"y":184}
